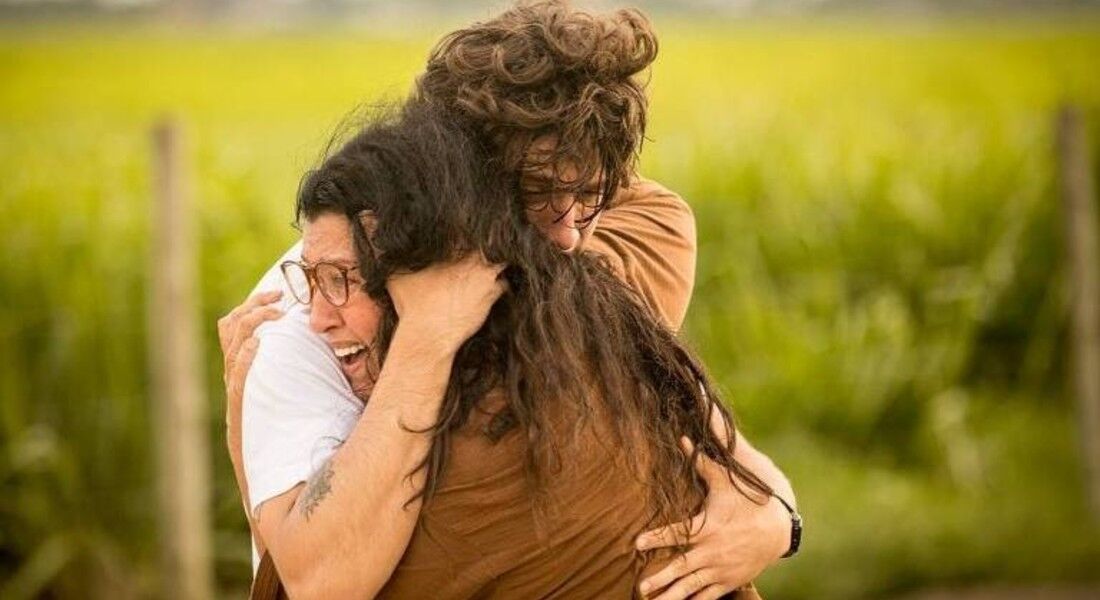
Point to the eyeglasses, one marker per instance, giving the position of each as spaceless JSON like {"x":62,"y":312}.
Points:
{"x":590,"y":200}
{"x":329,"y":278}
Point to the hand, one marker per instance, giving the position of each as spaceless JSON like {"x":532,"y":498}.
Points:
{"x":446,"y":303}
{"x":235,"y":335}
{"x":732,"y":541}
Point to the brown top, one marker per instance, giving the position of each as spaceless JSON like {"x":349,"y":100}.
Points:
{"x":648,"y":235}
{"x":481,"y":535}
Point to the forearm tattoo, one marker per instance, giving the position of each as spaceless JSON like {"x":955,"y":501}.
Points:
{"x":317,"y":488}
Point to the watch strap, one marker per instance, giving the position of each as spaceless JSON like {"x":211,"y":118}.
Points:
{"x":796,"y":526}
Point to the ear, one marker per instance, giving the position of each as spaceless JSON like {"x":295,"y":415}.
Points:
{"x":369,"y":222}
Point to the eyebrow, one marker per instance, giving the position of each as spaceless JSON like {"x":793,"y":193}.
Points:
{"x":340,"y":262}
{"x":541,"y":177}
{"x":567,"y":189}
{"x":546,"y":182}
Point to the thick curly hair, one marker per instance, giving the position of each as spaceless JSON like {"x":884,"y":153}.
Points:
{"x":547,"y":70}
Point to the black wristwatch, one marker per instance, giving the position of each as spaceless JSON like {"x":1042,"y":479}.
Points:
{"x":796,"y":526}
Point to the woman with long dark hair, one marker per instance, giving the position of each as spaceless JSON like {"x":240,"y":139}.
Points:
{"x":558,"y":436}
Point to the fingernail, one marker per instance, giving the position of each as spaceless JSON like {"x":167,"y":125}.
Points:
{"x":640,"y":543}
{"x":644,"y":588}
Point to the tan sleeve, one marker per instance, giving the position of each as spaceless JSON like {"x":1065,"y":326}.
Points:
{"x":648,"y":234}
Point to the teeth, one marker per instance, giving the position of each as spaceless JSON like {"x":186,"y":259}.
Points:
{"x":348,"y":350}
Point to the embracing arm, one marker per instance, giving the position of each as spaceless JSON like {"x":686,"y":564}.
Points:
{"x":734,"y":538}
{"x":316,"y":532}
{"x":648,"y":237}
{"x":342,"y":533}
{"x":763,"y":467}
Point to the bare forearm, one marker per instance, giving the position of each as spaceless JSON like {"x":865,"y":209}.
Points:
{"x":362,"y":492}
{"x":764,"y":468}
{"x":771,"y":522}
{"x":754,"y":460}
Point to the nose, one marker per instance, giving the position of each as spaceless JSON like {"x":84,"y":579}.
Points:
{"x":323,"y":316}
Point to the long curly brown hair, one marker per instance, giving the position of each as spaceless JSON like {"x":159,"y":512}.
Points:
{"x":547,"y":70}
{"x":568,"y":338}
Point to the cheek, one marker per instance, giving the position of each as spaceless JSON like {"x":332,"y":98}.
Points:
{"x":362,"y":317}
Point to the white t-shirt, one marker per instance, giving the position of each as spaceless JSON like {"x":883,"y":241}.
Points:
{"x":298,"y":407}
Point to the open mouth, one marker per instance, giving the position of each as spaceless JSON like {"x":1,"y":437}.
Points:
{"x":349,"y":354}
{"x":356,"y":364}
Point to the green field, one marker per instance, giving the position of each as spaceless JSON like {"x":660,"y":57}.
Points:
{"x":880,"y":289}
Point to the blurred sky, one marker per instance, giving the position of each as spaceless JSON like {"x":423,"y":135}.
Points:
{"x":279,"y":10}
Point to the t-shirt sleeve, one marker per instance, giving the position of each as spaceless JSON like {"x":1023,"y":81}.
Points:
{"x":648,"y":235}
{"x":297,"y":408}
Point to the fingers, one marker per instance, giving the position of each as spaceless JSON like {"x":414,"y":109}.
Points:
{"x":236,"y":332}
{"x":679,"y":579}
{"x":502,"y":286}
{"x":475,"y":267}
{"x":227,"y":324}
{"x":234,"y":383}
{"x":711,"y":592}
{"x":236,"y":378}
{"x":679,"y":567}
{"x":477,"y":261}
{"x":686,"y":586}
{"x":246,"y":327}
{"x":671,"y":535}
{"x":255,"y":300}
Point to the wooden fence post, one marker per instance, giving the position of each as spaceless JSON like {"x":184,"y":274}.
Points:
{"x":1079,"y":202}
{"x":180,"y":428}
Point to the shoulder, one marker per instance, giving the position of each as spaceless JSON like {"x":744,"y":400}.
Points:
{"x":295,"y":367}
{"x":297,"y":409}
{"x":650,"y":195}
{"x":648,"y":237}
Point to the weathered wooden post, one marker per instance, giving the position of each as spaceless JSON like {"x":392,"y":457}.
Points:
{"x":180,"y":428}
{"x":1083,"y":249}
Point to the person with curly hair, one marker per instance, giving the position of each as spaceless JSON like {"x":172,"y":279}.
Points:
{"x":552,"y":93}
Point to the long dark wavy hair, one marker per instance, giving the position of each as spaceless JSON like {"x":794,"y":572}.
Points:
{"x":546,"y":69}
{"x":568,"y":338}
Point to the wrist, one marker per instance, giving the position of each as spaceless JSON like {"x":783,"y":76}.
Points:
{"x":420,"y":340}
{"x":414,"y":377}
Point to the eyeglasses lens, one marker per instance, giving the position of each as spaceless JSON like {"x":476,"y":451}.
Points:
{"x":297,"y":281}
{"x":333,"y":283}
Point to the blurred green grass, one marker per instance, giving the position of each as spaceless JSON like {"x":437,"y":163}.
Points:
{"x":879,"y":289}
